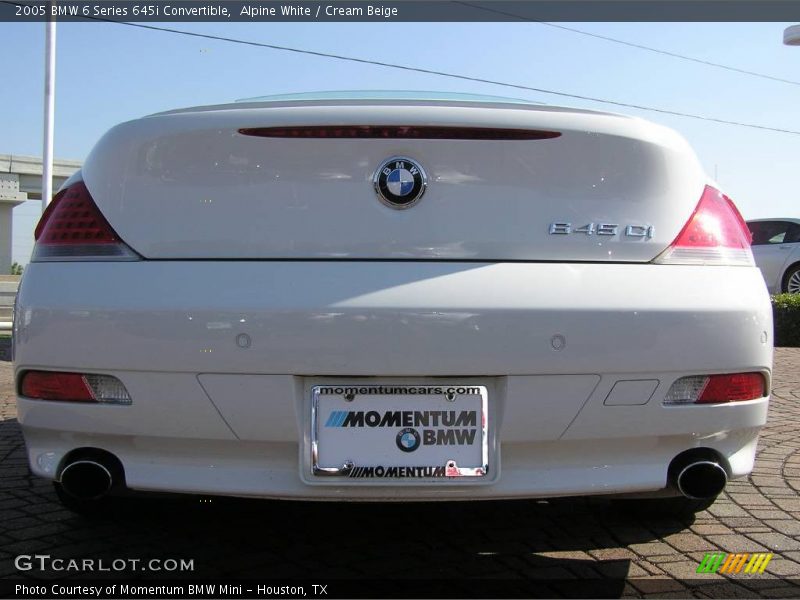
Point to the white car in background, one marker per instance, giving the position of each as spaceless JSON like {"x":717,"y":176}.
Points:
{"x":399,"y":298}
{"x":776,"y":249}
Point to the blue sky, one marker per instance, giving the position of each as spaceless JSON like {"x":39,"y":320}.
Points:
{"x":111,"y":73}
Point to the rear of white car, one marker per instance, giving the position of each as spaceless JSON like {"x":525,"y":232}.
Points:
{"x":392,"y":300}
{"x":776,"y":250}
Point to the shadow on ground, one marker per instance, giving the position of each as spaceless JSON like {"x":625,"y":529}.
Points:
{"x":546,"y":543}
{"x":541,"y":540}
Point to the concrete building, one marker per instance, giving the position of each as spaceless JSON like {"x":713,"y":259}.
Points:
{"x":21,"y":180}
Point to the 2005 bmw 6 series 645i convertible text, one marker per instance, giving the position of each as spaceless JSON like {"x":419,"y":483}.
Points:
{"x":392,"y":298}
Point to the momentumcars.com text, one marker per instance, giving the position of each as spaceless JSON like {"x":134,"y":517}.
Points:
{"x":397,"y":390}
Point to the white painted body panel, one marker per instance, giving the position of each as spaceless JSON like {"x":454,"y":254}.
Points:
{"x":208,"y":416}
{"x":389,"y":319}
{"x":188,"y":185}
{"x":774,"y":260}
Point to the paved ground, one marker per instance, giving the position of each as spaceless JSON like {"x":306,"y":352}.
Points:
{"x":570,"y":538}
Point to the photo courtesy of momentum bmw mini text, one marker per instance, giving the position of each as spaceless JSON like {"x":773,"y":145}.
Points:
{"x":399,"y":300}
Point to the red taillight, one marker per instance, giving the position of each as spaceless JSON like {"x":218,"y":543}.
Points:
{"x":46,"y":385}
{"x":733,"y":388}
{"x":73,"y":218}
{"x":72,"y":227}
{"x":717,"y":389}
{"x":399,"y":131}
{"x":716,"y":233}
{"x":73,"y":387}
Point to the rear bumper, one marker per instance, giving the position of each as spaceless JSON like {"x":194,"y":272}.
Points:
{"x":215,"y":412}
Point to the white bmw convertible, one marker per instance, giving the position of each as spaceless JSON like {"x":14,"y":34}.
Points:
{"x":392,"y":298}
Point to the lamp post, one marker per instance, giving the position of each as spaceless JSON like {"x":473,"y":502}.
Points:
{"x":49,"y":106}
{"x":791,"y":37}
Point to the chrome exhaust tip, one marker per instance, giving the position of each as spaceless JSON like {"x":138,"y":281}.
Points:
{"x":701,"y":480}
{"x":86,"y":479}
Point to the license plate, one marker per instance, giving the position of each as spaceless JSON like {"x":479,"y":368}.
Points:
{"x":399,"y":431}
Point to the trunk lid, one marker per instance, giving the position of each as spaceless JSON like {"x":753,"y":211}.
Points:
{"x":189,"y":185}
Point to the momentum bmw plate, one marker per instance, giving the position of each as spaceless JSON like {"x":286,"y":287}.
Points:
{"x":399,"y":431}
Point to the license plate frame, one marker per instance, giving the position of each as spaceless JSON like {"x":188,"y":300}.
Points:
{"x":325,"y":401}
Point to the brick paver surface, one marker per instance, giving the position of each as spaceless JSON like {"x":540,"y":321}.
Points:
{"x":565,"y":538}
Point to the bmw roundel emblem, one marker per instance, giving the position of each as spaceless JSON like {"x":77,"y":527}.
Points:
{"x":408,"y":439}
{"x":400,"y":182}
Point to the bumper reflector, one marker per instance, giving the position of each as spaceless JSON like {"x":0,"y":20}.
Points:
{"x":717,"y":389}
{"x":73,"y":387}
